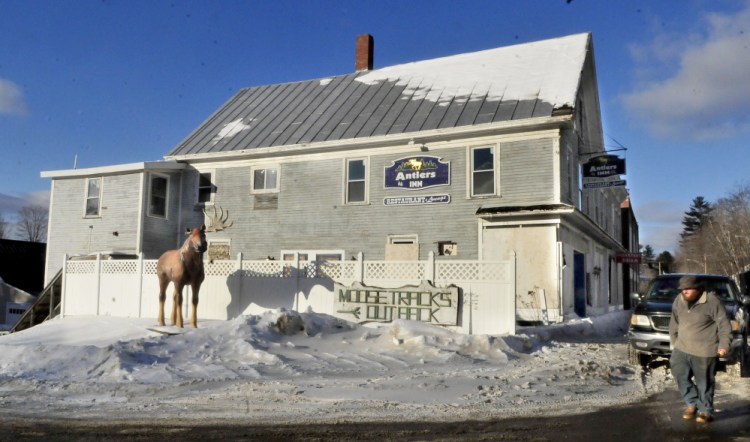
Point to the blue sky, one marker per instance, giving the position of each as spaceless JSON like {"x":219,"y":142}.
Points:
{"x":114,"y":82}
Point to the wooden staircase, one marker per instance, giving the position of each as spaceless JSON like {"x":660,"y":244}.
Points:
{"x":46,"y":306}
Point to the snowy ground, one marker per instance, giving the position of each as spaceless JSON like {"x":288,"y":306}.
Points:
{"x":333,"y":371}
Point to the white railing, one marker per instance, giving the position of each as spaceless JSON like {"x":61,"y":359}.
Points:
{"x":129,"y":288}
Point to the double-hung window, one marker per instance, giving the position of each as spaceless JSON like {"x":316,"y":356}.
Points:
{"x":158,"y":196}
{"x":265,"y":179}
{"x":93,"y":197}
{"x":205,"y":188}
{"x":356,"y":181}
{"x":482,"y":171}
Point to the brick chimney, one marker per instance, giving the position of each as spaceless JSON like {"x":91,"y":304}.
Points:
{"x":363,"y":56}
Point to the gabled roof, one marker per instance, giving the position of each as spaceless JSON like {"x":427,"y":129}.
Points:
{"x":508,"y":83}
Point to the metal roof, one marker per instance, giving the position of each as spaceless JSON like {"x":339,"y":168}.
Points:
{"x":510,"y":83}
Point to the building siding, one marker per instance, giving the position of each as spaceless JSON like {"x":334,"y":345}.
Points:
{"x":159,"y":233}
{"x":310,"y":213}
{"x":526,"y":171}
{"x":70,"y":232}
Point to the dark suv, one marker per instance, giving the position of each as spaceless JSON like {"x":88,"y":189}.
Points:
{"x":648,"y":336}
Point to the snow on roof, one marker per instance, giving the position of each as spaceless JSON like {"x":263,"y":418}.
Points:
{"x":517,"y":82}
{"x":518,"y":72}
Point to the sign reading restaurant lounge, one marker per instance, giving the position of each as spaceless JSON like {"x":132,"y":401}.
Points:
{"x":415,"y":200}
{"x":425,"y":303}
{"x":420,"y":172}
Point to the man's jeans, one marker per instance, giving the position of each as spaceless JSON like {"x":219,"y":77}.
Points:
{"x":698,"y":391}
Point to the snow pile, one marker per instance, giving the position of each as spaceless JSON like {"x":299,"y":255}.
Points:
{"x":306,"y":366}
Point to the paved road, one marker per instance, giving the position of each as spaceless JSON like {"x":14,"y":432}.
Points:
{"x":657,"y":419}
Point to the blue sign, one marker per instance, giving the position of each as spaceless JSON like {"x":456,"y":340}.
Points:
{"x":415,"y":173}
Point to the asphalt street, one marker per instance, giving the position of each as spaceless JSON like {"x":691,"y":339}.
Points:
{"x":656,"y":419}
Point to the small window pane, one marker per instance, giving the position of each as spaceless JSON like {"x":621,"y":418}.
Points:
{"x":484,"y":183}
{"x":205,"y":188}
{"x":356,"y":191}
{"x":158,"y":200}
{"x":483,"y":159}
{"x":357,"y":170}
{"x":204,"y":195}
{"x":93,"y":188}
{"x":92,"y":207}
{"x":259,"y":179}
{"x":271,"y":178}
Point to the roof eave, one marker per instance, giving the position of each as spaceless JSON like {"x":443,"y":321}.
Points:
{"x":114,"y":170}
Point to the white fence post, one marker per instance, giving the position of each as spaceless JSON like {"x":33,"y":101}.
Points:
{"x":98,"y":281}
{"x":240,"y":289}
{"x":359,"y":271}
{"x":139,"y":269}
{"x":63,"y":296}
{"x":430,"y":270}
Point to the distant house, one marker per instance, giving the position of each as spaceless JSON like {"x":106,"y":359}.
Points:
{"x":22,"y":264}
{"x":13,"y":303}
{"x":21,"y":277}
{"x":472,"y":156}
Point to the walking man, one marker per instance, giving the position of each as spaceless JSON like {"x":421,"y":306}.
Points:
{"x":699,"y":332}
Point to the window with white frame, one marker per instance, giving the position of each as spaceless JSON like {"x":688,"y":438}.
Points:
{"x":312,"y":255}
{"x":403,"y":239}
{"x":206,"y":188}
{"x":265,"y":179}
{"x":93,"y":197}
{"x":482,"y":171}
{"x":402,"y":247}
{"x":356,"y":181}
{"x":158,"y":196}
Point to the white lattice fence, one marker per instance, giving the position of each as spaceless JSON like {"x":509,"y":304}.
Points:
{"x":130,"y":287}
{"x":396,"y":271}
{"x":454,"y":271}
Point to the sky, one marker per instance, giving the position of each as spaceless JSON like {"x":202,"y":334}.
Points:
{"x":333,"y":370}
{"x":95,"y":83}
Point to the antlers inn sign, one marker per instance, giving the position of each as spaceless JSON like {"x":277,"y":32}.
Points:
{"x":417,"y":173}
{"x":425,"y":303}
{"x":603,"y":166}
{"x":414,"y":173}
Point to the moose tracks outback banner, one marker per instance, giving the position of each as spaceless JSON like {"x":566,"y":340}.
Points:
{"x":425,"y":303}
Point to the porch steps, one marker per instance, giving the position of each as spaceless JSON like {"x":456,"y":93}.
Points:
{"x":46,"y":306}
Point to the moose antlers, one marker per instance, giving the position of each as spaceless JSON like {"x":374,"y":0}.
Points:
{"x":218,"y":221}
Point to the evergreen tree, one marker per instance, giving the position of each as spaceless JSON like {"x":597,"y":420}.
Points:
{"x":696,"y":217}
{"x":647,"y":254}
{"x":666,"y":261}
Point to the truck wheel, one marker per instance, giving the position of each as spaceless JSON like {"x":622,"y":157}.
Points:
{"x":636,"y":358}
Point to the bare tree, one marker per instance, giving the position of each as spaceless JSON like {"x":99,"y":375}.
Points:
{"x":3,"y":227}
{"x":729,"y":231}
{"x":722,"y":243}
{"x":32,"y":223}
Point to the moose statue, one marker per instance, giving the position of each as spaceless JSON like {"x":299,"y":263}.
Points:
{"x":183,"y":266}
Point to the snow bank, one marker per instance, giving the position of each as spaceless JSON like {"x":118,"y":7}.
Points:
{"x":330,"y":369}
